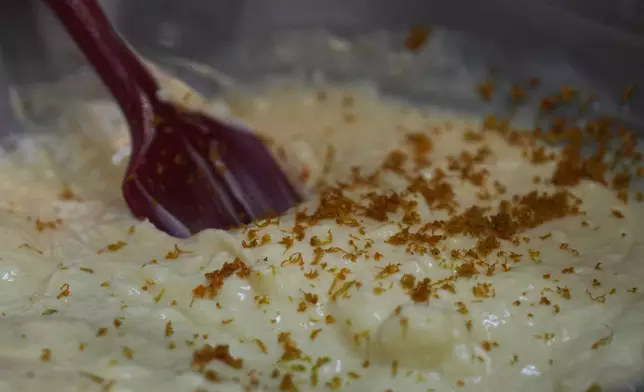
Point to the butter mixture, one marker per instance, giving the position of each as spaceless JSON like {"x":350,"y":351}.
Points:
{"x":439,"y":253}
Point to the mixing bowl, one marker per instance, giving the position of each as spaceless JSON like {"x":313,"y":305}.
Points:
{"x":593,"y":42}
{"x":593,"y":45}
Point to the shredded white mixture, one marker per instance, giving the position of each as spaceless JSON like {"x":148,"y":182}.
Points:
{"x":418,"y":278}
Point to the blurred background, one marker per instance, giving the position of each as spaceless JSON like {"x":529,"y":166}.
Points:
{"x":33,"y":46}
{"x":582,"y":41}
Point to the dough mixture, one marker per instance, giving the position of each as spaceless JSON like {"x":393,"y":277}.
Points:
{"x":440,"y":253}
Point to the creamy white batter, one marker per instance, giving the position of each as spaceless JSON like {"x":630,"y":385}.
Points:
{"x":332,"y":296}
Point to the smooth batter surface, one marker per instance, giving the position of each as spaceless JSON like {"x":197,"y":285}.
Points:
{"x":451,"y":257}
